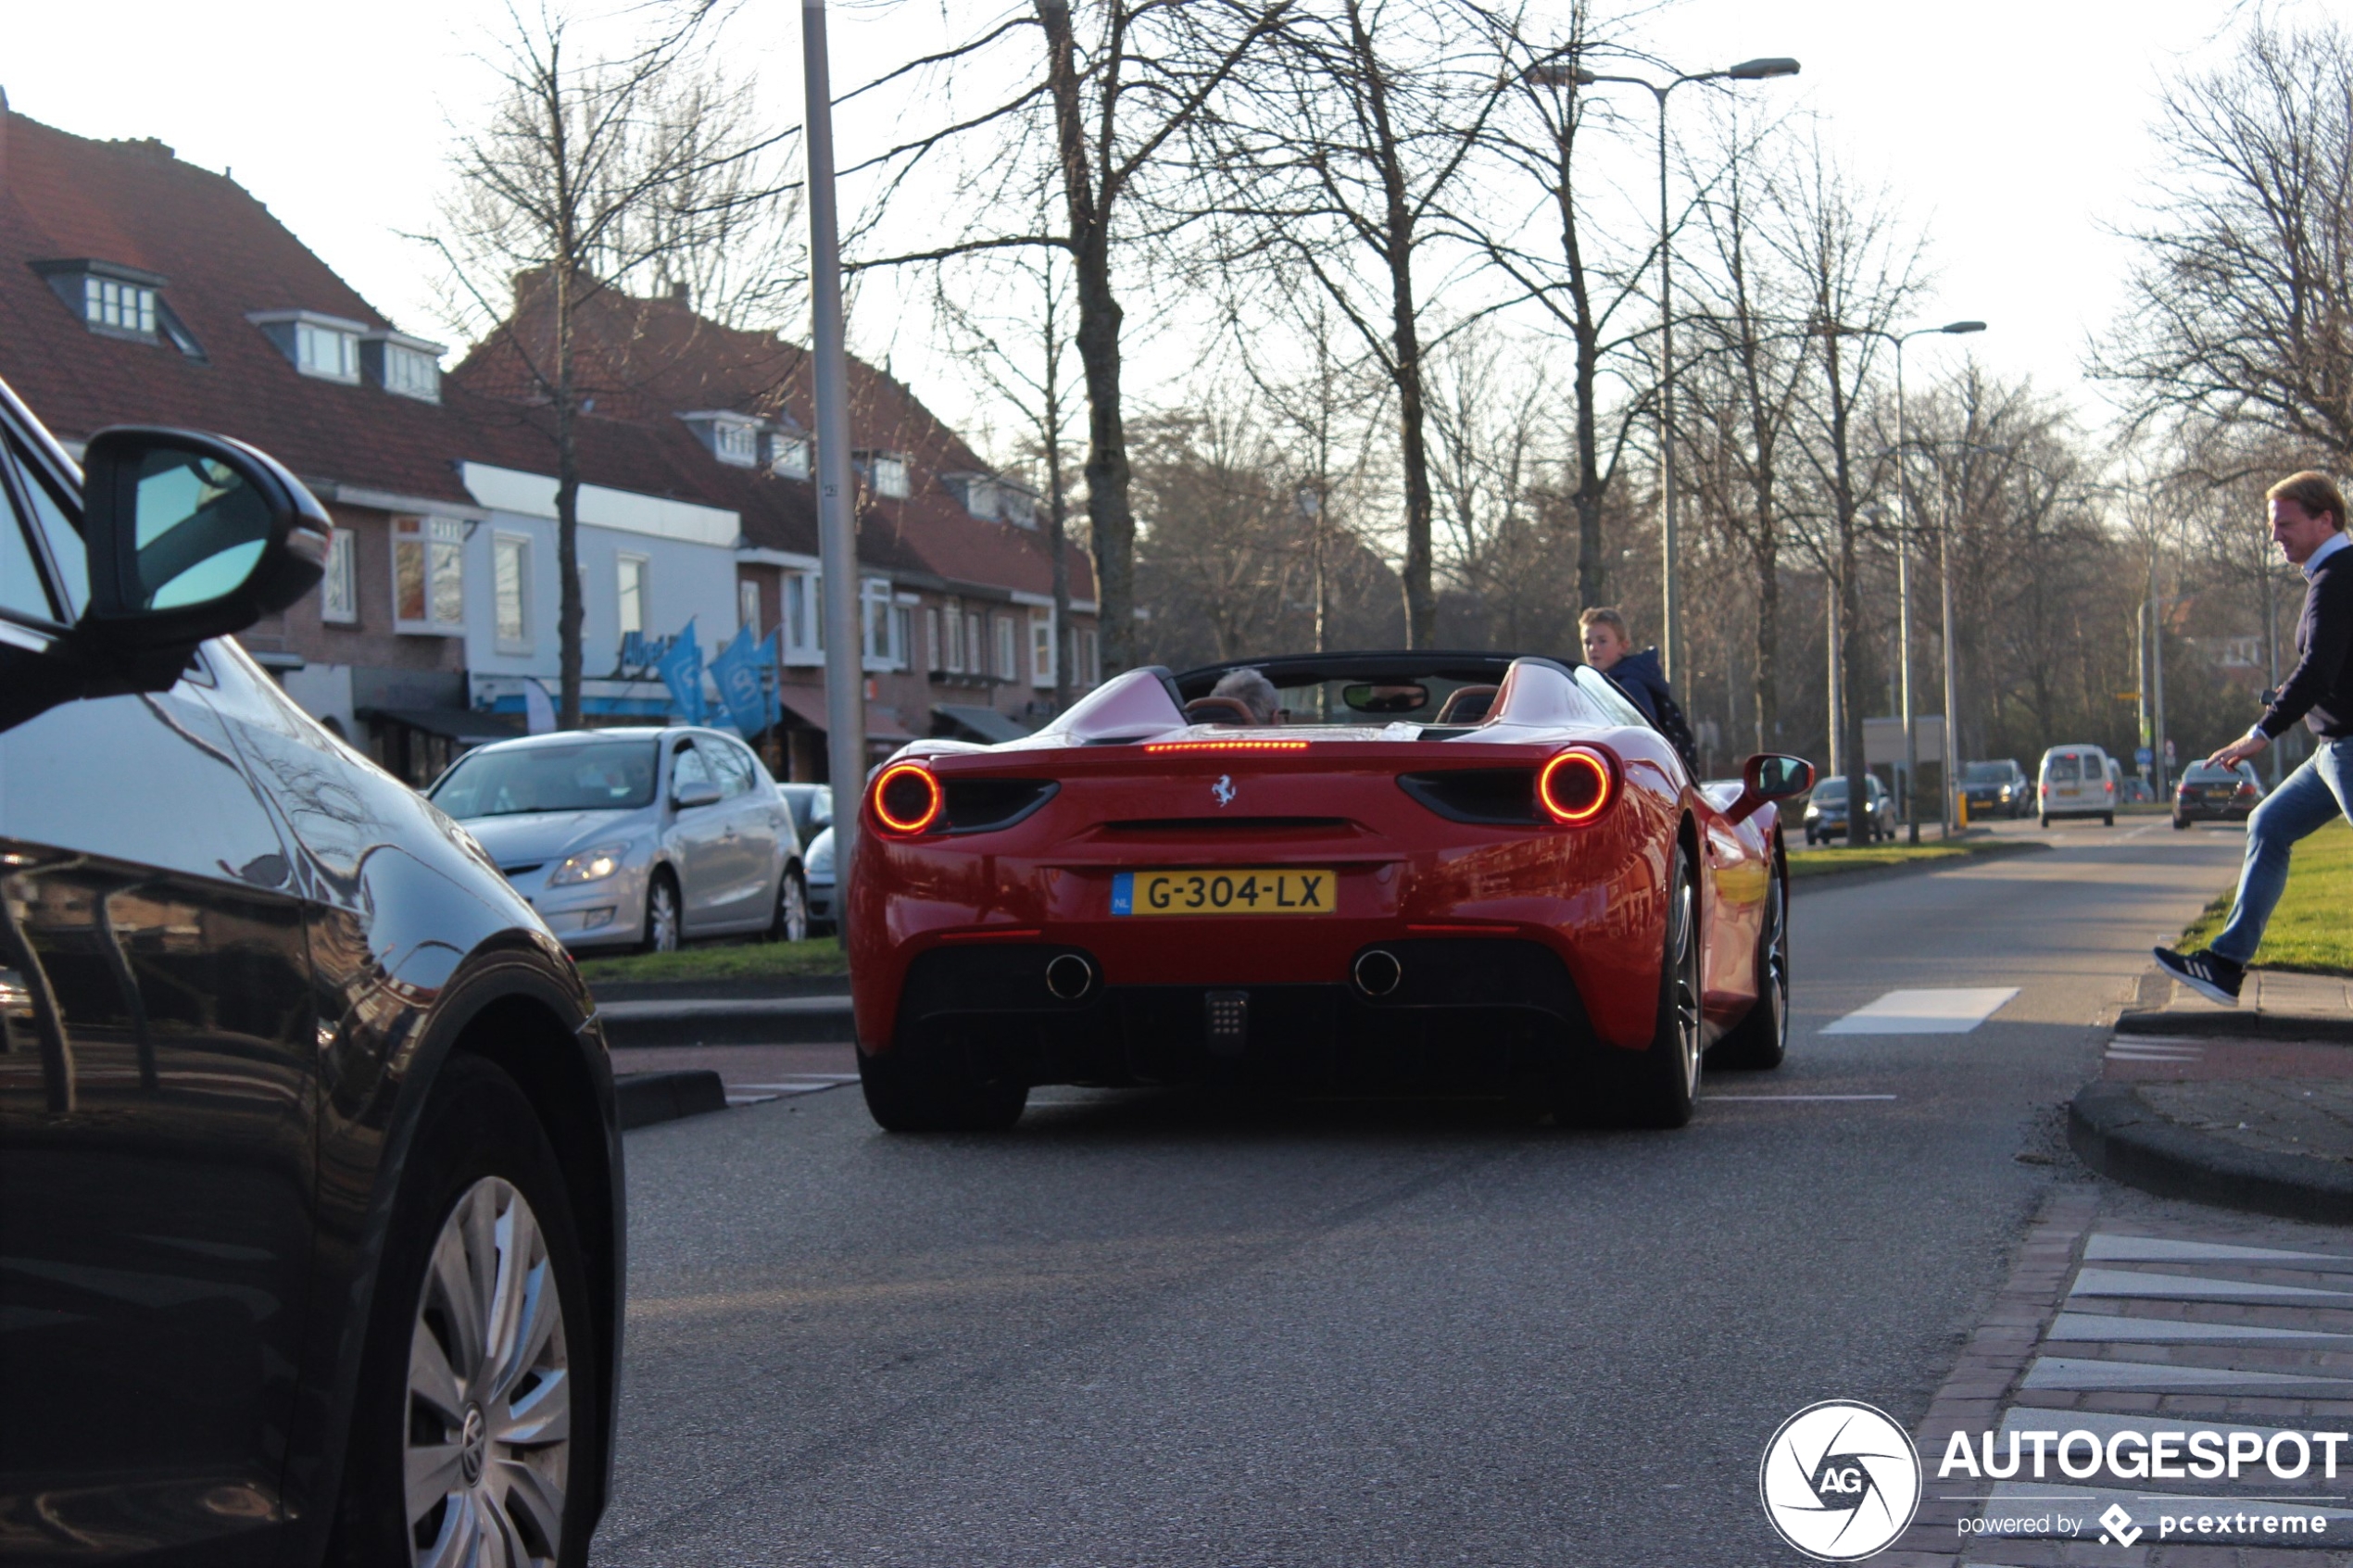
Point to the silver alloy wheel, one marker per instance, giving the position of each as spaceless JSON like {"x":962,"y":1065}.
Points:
{"x":1776,"y":959}
{"x":1683,"y":944}
{"x":662,"y":916}
{"x":792,"y":907}
{"x":489,"y":1438}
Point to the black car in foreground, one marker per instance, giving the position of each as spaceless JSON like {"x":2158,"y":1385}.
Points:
{"x":310,"y":1183}
{"x":2207,"y":793}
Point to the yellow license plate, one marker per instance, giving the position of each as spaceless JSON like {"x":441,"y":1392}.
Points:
{"x":1224,"y":893}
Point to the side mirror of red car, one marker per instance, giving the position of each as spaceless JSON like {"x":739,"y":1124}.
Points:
{"x":1769,"y":776}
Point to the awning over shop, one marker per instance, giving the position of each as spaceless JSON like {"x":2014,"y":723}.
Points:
{"x":807,"y":704}
{"x":985,"y":724}
{"x":463,"y":724}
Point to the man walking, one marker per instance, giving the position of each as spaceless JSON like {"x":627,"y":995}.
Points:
{"x":2308,"y":523}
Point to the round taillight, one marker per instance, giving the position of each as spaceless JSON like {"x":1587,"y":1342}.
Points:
{"x":1574,"y":786}
{"x":907,"y":800}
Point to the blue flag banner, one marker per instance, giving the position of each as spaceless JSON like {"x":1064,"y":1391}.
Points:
{"x":736,"y":669}
{"x":771,"y":657}
{"x":681,"y":670}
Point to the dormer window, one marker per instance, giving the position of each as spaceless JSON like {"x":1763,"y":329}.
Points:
{"x":790,"y":454}
{"x":116,"y":301}
{"x":407,"y":367}
{"x":993,"y":498}
{"x":887,"y":474}
{"x":320,"y":345}
{"x":730,"y":437}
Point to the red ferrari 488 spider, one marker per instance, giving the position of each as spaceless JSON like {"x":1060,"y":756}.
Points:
{"x":1430,"y":873}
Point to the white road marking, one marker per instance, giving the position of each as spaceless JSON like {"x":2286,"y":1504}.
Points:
{"x":2110,"y":1329}
{"x":799,"y":1084}
{"x":2106,"y":1249}
{"x":2156,"y":1053}
{"x":2190,"y":1287}
{"x":1925,"y":1012}
{"x":2084,"y":1374}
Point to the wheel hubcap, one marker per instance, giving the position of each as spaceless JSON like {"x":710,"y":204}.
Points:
{"x":665,"y":919}
{"x":489,"y":1437}
{"x":796,"y":920}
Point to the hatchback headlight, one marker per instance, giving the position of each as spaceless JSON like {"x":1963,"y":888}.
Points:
{"x":589,"y":865}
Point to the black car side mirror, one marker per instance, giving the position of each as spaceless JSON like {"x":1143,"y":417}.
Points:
{"x":192,"y":536}
{"x":1770,"y":776}
{"x":188,"y":537}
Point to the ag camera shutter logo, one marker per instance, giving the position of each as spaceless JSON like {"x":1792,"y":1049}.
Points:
{"x":1840,"y":1481}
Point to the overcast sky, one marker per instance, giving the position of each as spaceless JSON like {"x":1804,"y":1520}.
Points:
{"x":2012,"y":131}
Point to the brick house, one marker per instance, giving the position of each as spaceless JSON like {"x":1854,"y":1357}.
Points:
{"x":959,"y":632}
{"x":136,"y":289}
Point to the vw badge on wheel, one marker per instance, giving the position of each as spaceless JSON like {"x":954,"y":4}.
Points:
{"x":1840,"y":1481}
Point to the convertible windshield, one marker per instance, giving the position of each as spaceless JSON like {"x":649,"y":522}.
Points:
{"x":604,"y":775}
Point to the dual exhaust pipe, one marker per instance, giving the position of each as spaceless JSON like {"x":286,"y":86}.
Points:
{"x":1377,"y":973}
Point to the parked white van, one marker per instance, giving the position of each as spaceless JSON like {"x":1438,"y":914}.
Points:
{"x":2076,"y":781}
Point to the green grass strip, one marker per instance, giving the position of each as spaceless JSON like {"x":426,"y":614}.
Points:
{"x":2311,"y":931}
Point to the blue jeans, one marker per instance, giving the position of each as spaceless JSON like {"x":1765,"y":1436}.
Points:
{"x":2303,"y":804}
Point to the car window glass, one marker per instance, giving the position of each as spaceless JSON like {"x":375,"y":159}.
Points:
{"x":2063,"y":769}
{"x":20,"y":586}
{"x":729,"y":767}
{"x":687,"y":767}
{"x":54,"y":520}
{"x":592,"y":776}
{"x":1604,"y":692}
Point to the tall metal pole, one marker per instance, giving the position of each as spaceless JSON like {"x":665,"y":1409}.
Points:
{"x":1671,"y":618}
{"x":1944,"y":589}
{"x":1904,"y":615}
{"x":2156,"y":668}
{"x":836,"y":526}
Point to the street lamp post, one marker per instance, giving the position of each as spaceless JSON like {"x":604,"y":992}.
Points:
{"x":1670,"y":628}
{"x":1903,"y":604}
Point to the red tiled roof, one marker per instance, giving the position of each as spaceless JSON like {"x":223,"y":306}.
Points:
{"x":65,"y":197}
{"x":644,"y":362}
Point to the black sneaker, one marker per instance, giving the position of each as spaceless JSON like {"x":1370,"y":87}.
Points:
{"x":2206,"y":972}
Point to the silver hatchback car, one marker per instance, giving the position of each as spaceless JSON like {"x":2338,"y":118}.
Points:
{"x":635,"y":836}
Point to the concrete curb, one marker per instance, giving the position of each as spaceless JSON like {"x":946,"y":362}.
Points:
{"x":729,"y":1021}
{"x":2120,"y":1134}
{"x":2001,"y":849}
{"x":729,"y":987}
{"x":2239,"y":1025}
{"x":647,"y":1097}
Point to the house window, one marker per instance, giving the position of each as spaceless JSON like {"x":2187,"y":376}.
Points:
{"x":411,"y":372}
{"x":127,"y":308}
{"x":875,"y":622}
{"x":974,"y":632}
{"x":737,"y":443}
{"x":1008,"y":649}
{"x":1041,"y":650}
{"x":1017,"y":506}
{"x":428,"y":575}
{"x":748,"y":605}
{"x":323,"y":351}
{"x":887,"y":472}
{"x":931,"y":638}
{"x":1090,"y":669}
{"x":902,"y":637}
{"x":789,"y":456}
{"x":339,"y":588}
{"x":950,"y":654}
{"x":511,"y":591}
{"x":630,"y":570}
{"x":804,"y":622}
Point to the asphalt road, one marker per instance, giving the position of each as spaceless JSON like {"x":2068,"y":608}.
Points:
{"x":1147,"y":1329}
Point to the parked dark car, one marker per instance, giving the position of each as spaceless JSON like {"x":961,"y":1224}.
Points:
{"x":1825,"y":814}
{"x":1997,"y":788}
{"x":310,"y":1183}
{"x":2207,"y":793}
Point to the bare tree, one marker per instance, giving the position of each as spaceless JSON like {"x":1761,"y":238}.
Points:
{"x":1856,"y":273}
{"x":1112,"y":83}
{"x":1545,"y":122}
{"x":591,"y":174}
{"x":2243,"y":302}
{"x":1021,"y":357}
{"x":1487,"y":419}
{"x":1355,"y":142}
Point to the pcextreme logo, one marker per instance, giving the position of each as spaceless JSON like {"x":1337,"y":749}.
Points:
{"x":1840,"y":1481}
